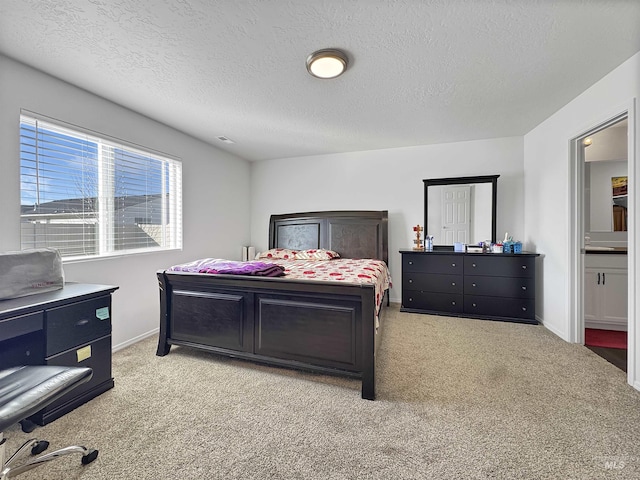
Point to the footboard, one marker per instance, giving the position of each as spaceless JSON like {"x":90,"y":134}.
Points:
{"x":317,"y":326}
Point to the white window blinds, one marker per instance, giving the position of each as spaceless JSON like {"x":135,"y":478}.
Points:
{"x":88,"y":195}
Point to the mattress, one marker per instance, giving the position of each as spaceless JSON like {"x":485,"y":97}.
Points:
{"x":340,"y":270}
{"x":337,"y":270}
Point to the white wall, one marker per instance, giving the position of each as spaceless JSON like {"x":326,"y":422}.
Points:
{"x":385,"y":180}
{"x":547,"y":181}
{"x":215,"y":191}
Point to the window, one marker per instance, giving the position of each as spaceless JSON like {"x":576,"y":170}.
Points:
{"x":88,"y":195}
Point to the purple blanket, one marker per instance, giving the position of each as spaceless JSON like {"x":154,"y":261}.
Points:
{"x":230,"y":267}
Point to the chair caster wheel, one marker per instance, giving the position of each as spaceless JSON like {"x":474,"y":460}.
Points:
{"x":89,"y":457}
{"x":39,"y":447}
{"x":27,"y":426}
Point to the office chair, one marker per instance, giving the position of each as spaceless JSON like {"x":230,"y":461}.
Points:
{"x":25,"y":391}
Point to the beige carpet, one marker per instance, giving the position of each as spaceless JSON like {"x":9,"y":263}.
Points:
{"x":457,"y":399}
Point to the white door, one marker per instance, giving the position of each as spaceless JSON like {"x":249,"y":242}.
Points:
{"x":456,"y":208}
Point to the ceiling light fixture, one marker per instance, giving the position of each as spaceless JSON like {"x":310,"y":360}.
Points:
{"x":327,"y":63}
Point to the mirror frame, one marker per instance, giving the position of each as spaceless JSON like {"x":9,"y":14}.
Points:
{"x":492,"y":179}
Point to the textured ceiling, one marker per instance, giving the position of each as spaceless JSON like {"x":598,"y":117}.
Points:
{"x":421,"y":71}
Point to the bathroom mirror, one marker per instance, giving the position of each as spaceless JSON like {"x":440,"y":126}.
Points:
{"x":605,"y":175}
{"x":460,"y":209}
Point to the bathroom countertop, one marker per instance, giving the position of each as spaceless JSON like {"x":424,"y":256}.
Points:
{"x":606,"y":250}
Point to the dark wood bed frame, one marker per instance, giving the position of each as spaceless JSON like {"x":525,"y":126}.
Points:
{"x":318,"y":326}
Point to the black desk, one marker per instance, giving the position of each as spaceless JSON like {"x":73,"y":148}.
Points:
{"x":70,"y":326}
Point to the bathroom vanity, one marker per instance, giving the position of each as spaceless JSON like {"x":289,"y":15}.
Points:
{"x":605,"y":288}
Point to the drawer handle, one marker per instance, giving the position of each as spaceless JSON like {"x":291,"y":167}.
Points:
{"x":453,"y":284}
{"x":453,"y":264}
{"x":410,"y":281}
{"x":524,"y":309}
{"x":453,"y":303}
{"x":524,"y":267}
{"x":80,"y":323}
{"x":524,"y":288}
{"x":473,"y":284}
{"x":474,"y":305}
{"x":410,"y":263}
{"x":410,"y":299}
{"x":473,"y":265}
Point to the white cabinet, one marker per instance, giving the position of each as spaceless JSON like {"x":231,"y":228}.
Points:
{"x":605,"y":291}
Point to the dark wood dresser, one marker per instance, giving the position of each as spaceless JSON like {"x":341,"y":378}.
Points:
{"x":68,"y":327}
{"x":492,"y":286}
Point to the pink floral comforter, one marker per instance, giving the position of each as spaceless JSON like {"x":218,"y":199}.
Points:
{"x":340,"y":270}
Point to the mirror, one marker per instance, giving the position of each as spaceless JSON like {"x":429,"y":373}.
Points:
{"x":460,"y":209}
{"x":605,"y":174}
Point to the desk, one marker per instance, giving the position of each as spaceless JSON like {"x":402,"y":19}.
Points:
{"x":70,"y":326}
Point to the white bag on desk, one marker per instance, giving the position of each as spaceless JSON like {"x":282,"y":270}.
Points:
{"x":29,"y":272}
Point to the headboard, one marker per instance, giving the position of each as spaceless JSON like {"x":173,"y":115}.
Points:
{"x":353,"y":234}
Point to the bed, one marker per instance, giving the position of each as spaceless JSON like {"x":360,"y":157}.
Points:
{"x":316,"y":325}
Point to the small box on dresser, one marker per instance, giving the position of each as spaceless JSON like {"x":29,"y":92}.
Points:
{"x":477,"y":285}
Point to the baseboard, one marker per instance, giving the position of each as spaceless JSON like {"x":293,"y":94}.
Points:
{"x":552,"y":330}
{"x":130,"y":342}
{"x":619,"y":327}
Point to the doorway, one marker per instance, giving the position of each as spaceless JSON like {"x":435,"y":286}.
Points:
{"x":605,"y":275}
{"x":600,"y":245}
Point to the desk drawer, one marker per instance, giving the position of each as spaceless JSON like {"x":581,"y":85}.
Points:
{"x":76,"y":324}
{"x":16,"y":326}
{"x":517,"y":287}
{"x":23,"y":350}
{"x":437,"y":302}
{"x":95,"y":355}
{"x":432,"y":283}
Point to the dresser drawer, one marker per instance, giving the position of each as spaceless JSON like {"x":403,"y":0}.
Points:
{"x":496,"y":265}
{"x":500,"y":306}
{"x":76,"y":324}
{"x":517,"y":287}
{"x":432,"y":263}
{"x":432,"y":283}
{"x":441,"y":302}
